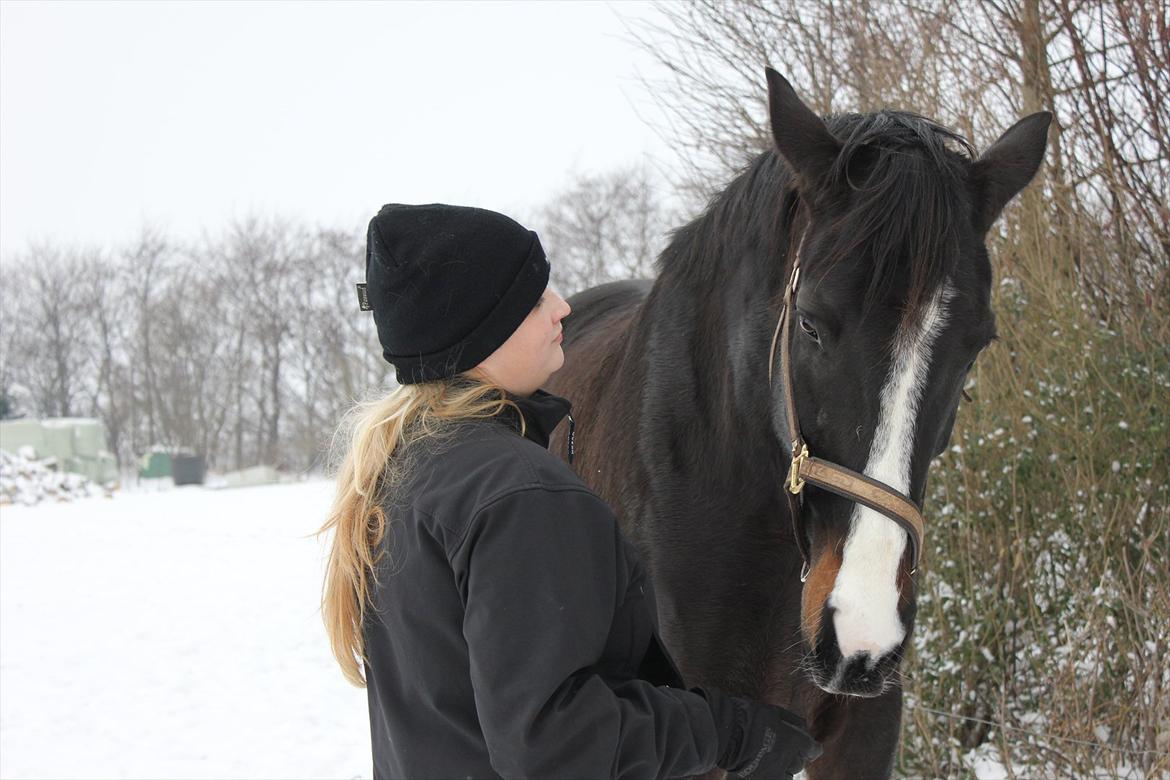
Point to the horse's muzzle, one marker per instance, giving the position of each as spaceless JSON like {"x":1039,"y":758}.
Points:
{"x":859,"y":675}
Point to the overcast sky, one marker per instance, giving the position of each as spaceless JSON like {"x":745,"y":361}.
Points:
{"x":186,"y":115}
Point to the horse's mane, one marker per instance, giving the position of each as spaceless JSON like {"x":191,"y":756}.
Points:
{"x":905,"y":180}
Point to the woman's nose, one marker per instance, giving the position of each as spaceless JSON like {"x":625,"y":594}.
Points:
{"x":566,"y":309}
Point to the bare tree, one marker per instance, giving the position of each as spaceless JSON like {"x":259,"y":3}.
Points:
{"x":336,"y":356}
{"x":258,"y":260}
{"x":604,"y":227}
{"x":846,"y":55}
{"x":147,"y":262}
{"x":104,"y":288}
{"x":51,"y":347}
{"x":246,"y":348}
{"x":1100,"y":65}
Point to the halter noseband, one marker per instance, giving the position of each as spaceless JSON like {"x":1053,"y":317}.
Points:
{"x":847,"y":483}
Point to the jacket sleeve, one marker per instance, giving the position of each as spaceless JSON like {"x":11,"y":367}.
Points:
{"x":539,"y":572}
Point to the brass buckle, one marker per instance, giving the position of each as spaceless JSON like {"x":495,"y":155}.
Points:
{"x":795,"y":483}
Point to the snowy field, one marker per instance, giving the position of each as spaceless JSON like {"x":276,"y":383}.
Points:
{"x":172,"y":634}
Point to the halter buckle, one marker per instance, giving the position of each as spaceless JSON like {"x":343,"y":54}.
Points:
{"x":795,"y":483}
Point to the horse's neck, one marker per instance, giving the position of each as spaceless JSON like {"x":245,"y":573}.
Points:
{"x":704,"y":382}
{"x":717,"y":324}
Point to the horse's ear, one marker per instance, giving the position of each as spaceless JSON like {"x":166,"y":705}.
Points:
{"x":1008,"y":165}
{"x":801,"y":136}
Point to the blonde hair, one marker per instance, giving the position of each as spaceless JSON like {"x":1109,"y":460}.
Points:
{"x":376,"y":436}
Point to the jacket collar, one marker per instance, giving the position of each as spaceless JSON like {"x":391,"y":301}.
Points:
{"x":542,"y":412}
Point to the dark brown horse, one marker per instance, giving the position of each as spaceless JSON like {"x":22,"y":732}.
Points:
{"x":681,"y":430}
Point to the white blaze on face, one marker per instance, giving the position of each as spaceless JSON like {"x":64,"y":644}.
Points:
{"x":865,"y":594}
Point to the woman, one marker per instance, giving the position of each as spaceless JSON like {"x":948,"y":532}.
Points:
{"x":487,"y":599}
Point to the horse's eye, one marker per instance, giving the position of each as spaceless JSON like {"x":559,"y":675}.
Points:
{"x":967,"y":396}
{"x":807,"y":327}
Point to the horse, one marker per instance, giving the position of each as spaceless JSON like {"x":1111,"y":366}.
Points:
{"x":803,"y":601}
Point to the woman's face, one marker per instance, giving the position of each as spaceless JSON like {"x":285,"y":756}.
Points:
{"x":533,"y":352}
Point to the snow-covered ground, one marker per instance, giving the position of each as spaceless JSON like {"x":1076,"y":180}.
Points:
{"x":172,"y":634}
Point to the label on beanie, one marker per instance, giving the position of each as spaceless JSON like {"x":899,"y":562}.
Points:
{"x":363,"y":298}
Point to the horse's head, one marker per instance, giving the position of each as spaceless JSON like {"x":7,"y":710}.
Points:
{"x":891,"y":310}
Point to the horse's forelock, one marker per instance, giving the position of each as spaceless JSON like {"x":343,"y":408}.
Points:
{"x":906,"y":215}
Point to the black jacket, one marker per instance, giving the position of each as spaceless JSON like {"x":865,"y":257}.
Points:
{"x":514,"y":630}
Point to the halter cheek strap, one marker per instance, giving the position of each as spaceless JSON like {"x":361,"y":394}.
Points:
{"x":804,"y":468}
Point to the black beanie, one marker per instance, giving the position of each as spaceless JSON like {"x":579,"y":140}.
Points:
{"x":448,"y":285}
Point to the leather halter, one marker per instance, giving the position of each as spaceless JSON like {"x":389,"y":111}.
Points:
{"x":856,"y":487}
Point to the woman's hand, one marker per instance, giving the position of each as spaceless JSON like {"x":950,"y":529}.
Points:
{"x":759,"y":740}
